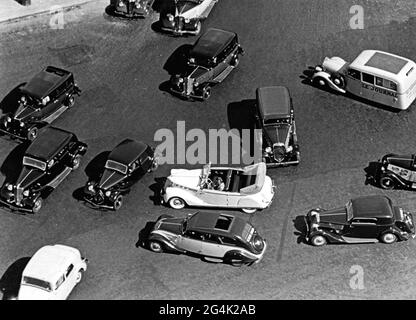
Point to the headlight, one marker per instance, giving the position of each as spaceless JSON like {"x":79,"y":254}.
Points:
{"x":22,"y":124}
{"x":268,"y":149}
{"x":10,"y":187}
{"x":91,"y":187}
{"x":180,"y":80}
{"x":192,"y":60}
{"x":187,"y":20}
{"x":170,"y":17}
{"x":108,"y":193}
{"x":26,"y":193}
{"x":9,"y":119}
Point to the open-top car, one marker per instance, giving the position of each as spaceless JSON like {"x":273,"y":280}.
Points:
{"x":133,"y":8}
{"x":361,"y":220}
{"x":397,"y":171}
{"x":43,"y":99}
{"x":48,"y":160}
{"x":215,"y":236}
{"x":125,"y":165}
{"x":248,"y":188}
{"x":185,"y":16}
{"x":275,"y":117}
{"x":374,"y":75}
{"x":52,"y":273}
{"x":210,"y":60}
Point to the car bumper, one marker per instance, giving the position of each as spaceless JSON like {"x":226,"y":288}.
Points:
{"x":89,"y":202}
{"x":295,"y":160}
{"x":14,"y":207}
{"x":183,"y":94}
{"x":179,"y":32}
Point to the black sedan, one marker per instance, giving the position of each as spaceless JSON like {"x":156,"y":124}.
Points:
{"x":125,"y":165}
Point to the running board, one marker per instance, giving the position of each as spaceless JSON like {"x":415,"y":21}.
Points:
{"x":223,"y":74}
{"x":359,"y":240}
{"x":55,"y":182}
{"x":56,"y":114}
{"x":208,"y":10}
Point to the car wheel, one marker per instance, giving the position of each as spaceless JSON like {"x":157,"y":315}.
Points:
{"x":37,"y":205}
{"x":318,"y":241}
{"x":118,"y":202}
{"x":79,"y":276}
{"x":177,"y":203}
{"x":32,"y":133}
{"x":206,"y":93}
{"x":388,"y":238}
{"x":76,"y":161}
{"x":387,"y":182}
{"x":156,"y":246}
{"x":249,"y":210}
{"x":70,"y":101}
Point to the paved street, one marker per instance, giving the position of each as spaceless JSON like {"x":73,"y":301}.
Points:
{"x":119,"y":65}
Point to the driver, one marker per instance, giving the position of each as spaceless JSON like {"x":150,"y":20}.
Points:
{"x":218,"y":183}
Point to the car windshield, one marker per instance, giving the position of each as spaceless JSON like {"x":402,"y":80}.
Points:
{"x":348,"y":206}
{"x":116,"y":166}
{"x":28,"y":161}
{"x":44,"y":285}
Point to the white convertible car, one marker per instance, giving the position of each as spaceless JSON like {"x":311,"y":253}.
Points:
{"x":248,"y":188}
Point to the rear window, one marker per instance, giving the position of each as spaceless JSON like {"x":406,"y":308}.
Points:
{"x":37,"y":283}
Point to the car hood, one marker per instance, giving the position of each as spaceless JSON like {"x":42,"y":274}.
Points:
{"x":24,"y":112}
{"x":278,"y":134}
{"x":185,"y":178}
{"x":110,"y":178}
{"x":27,"y":292}
{"x":334,"y":64}
{"x":28,"y":176}
{"x":173,"y":225}
{"x":337,"y":215}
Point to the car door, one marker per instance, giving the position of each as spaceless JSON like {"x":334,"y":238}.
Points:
{"x":213,"y":198}
{"x":68,"y":285}
{"x":363,"y":228}
{"x":190,"y":241}
{"x":211,"y":246}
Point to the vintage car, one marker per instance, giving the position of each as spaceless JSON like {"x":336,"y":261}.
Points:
{"x":397,"y":171}
{"x":185,"y":16}
{"x":275,"y":117}
{"x":211,"y":59}
{"x":374,"y":75}
{"x":248,"y":188}
{"x":133,"y":8}
{"x":361,"y":220}
{"x":125,"y":165}
{"x":217,"y":237}
{"x":48,"y":160}
{"x":43,"y":99}
{"x":52,"y":273}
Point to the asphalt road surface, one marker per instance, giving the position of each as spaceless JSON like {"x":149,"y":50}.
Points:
{"x":119,"y":66}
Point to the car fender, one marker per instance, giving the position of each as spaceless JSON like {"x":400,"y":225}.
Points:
{"x":190,"y":197}
{"x":393,"y":176}
{"x":239,"y":253}
{"x":332,"y":238}
{"x":247,"y":202}
{"x":165,"y":240}
{"x":328,"y":78}
{"x":394,"y":231}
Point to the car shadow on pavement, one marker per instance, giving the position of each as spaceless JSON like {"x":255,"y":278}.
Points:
{"x":10,"y":281}
{"x":9,"y":104}
{"x":371,"y":173}
{"x":300,"y":225}
{"x":12,"y":165}
{"x":157,"y":188}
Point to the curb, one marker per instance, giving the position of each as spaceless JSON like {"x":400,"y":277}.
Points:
{"x":45,"y":11}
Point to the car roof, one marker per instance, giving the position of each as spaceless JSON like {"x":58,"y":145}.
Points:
{"x":212,"y":43}
{"x":43,"y":83}
{"x":273,"y":102}
{"x":48,"y":143}
{"x":376,"y":206}
{"x":50,"y":262}
{"x":127,"y":151}
{"x":206,"y":222}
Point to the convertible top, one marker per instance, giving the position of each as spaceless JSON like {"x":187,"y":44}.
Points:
{"x":127,"y":151}
{"x":43,"y":83}
{"x":212,"y":43}
{"x":273,"y":102}
{"x":49,"y":142}
{"x":372,"y":207}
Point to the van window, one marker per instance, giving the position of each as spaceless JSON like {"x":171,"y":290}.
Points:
{"x":368,"y":78}
{"x":354,"y":74}
{"x":386,"y":84}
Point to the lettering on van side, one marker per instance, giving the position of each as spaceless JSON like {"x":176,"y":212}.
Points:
{"x":379,"y":90}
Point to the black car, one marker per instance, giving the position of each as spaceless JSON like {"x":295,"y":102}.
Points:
{"x":48,"y":160}
{"x":43,"y":99}
{"x":275,"y":117}
{"x":133,"y":8}
{"x":125,"y":165}
{"x":183,"y":17}
{"x":210,"y":60}
{"x":361,"y":220}
{"x":397,"y":171}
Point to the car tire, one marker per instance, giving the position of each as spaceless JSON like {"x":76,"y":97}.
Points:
{"x":318,"y":241}
{"x":206,"y":93}
{"x":76,"y":161}
{"x":388,"y":238}
{"x":249,"y":210}
{"x":118,"y":202}
{"x":37,"y":205}
{"x":387,"y":183}
{"x":156,"y":246}
{"x":32,"y":133}
{"x":80,"y":274}
{"x":177,"y":203}
{"x":70,"y":101}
